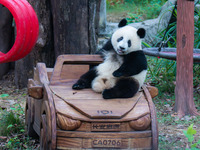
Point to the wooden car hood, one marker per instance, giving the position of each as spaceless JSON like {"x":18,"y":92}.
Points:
{"x":92,"y":105}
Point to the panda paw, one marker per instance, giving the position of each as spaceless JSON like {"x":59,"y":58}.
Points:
{"x":107,"y":94}
{"x":79,"y":86}
{"x":117,"y":74}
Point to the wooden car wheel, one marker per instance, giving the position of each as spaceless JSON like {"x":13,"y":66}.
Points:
{"x":43,"y":132}
{"x":154,"y":123}
{"x":29,"y":119}
{"x":45,"y":128}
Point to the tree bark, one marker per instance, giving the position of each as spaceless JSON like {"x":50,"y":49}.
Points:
{"x":6,"y":32}
{"x":184,"y":103}
{"x":94,"y":17}
{"x":44,"y":48}
{"x":66,"y":27}
{"x":75,"y":26}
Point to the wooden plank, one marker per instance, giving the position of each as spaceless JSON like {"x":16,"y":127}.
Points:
{"x":36,"y":91}
{"x":75,"y":134}
{"x":63,"y":108}
{"x":40,"y":74}
{"x":73,"y":71}
{"x":37,"y":113}
{"x":154,"y":123}
{"x":105,"y":127}
{"x":52,"y":113}
{"x":66,"y":143}
{"x":72,"y":59}
{"x":49,"y":72}
{"x":144,"y":143}
{"x":109,"y":143}
{"x":104,"y":143}
{"x":98,"y":107}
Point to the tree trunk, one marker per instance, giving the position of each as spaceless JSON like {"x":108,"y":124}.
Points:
{"x":6,"y":32}
{"x":184,"y":104}
{"x":94,"y":17}
{"x":43,"y":50}
{"x":66,"y":27}
{"x":75,"y":26}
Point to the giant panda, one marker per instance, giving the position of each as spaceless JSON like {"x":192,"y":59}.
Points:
{"x":124,"y":68}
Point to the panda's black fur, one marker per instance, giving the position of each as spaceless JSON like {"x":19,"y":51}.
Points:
{"x":122,"y":79}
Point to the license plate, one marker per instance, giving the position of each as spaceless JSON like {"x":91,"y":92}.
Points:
{"x":105,"y":127}
{"x":107,"y":143}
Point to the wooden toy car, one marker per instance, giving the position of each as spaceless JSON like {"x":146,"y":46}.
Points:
{"x":64,"y":118}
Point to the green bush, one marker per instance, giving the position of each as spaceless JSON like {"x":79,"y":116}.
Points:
{"x":162,"y":74}
{"x":11,"y":121}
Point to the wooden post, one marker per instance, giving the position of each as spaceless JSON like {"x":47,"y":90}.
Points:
{"x":184,"y":104}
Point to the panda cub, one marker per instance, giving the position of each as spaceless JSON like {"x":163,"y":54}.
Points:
{"x":124,"y":68}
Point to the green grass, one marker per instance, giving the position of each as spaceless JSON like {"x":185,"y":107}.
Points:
{"x":10,"y":123}
{"x":162,"y":74}
{"x":135,"y":10}
{"x":12,"y":126}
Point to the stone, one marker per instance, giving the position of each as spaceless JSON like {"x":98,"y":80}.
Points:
{"x":102,"y":19}
{"x":152,"y":26}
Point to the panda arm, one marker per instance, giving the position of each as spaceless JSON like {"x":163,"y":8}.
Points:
{"x":85,"y":80}
{"x":107,"y":47}
{"x":133,"y":64}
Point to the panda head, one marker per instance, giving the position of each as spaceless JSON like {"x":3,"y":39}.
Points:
{"x":127,"y":38}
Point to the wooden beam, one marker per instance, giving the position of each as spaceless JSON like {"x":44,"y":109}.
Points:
{"x":184,"y":104}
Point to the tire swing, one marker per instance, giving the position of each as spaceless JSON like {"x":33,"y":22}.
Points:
{"x":27,"y":29}
{"x":169,"y":53}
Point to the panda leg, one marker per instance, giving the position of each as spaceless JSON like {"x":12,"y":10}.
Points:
{"x":85,"y":80}
{"x":124,"y":88}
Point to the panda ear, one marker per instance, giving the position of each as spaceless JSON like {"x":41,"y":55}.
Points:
{"x":141,"y":32}
{"x":122,"y":23}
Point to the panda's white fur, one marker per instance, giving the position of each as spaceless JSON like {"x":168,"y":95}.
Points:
{"x":105,"y":78}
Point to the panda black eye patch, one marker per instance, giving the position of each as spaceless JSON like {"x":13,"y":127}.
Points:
{"x":119,"y":39}
{"x":129,"y":43}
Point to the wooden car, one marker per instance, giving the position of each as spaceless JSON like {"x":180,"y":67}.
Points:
{"x":64,"y":118}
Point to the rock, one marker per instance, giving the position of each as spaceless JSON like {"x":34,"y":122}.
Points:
{"x":154,"y":26}
{"x":6,"y":104}
{"x":180,"y":126}
{"x":102,"y":19}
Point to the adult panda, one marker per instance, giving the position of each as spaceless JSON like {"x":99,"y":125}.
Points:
{"x":124,"y":68}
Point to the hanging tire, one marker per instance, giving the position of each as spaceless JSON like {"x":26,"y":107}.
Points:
{"x":27,"y":29}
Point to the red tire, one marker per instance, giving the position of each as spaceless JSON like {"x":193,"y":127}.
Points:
{"x":27,"y":29}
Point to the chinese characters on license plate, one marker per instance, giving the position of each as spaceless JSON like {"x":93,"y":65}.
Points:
{"x":105,"y":127}
{"x":111,"y":143}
